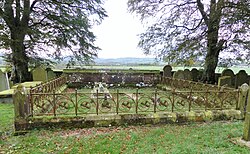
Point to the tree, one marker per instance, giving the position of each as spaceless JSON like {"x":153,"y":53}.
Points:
{"x":194,"y":29}
{"x":31,"y":28}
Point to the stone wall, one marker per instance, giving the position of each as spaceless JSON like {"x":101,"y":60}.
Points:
{"x":78,"y":77}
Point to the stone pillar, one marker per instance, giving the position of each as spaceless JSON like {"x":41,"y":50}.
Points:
{"x":21,"y":109}
{"x":20,"y":104}
{"x":243,"y":97}
{"x":246,"y":132}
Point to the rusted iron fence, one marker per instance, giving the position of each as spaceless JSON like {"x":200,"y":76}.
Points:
{"x":78,"y":103}
{"x":50,"y":86}
{"x":191,"y":85}
{"x":174,"y":96}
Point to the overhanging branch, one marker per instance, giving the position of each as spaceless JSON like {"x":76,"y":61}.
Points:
{"x":203,"y":13}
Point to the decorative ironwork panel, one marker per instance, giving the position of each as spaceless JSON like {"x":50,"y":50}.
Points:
{"x":126,"y":102}
{"x":42,"y":104}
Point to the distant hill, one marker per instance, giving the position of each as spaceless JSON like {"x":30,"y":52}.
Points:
{"x":126,"y":61}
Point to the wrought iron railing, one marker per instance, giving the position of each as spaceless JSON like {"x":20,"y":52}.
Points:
{"x":191,"y":85}
{"x":50,"y":86}
{"x":79,"y":103}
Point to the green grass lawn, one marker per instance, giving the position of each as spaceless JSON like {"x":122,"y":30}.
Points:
{"x":193,"y":138}
{"x":6,"y":119}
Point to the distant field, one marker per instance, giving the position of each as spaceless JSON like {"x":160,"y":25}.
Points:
{"x":160,"y":67}
{"x":150,"y":67}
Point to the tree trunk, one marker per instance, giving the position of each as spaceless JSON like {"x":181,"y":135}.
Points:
{"x":209,"y":68}
{"x":214,"y":46}
{"x":20,"y":60}
{"x":212,"y":57}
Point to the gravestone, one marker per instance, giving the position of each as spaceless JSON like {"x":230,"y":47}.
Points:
{"x":39,"y":74}
{"x":187,"y":75}
{"x":50,"y":74}
{"x":167,"y":71}
{"x":179,"y":74}
{"x":229,"y":72}
{"x":4,"y":81}
{"x":195,"y":74}
{"x":241,"y":78}
{"x":225,"y":81}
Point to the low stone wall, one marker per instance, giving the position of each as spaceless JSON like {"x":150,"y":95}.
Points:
{"x":6,"y":99}
{"x":81,"y":77}
{"x":107,"y":120}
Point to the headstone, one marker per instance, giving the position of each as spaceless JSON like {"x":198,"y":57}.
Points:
{"x":50,"y":74}
{"x":229,"y":72}
{"x":225,"y":81}
{"x":179,"y":74}
{"x":167,"y":71}
{"x":195,"y":74}
{"x":4,"y":83}
{"x":187,"y":74}
{"x":39,"y":74}
{"x":241,"y":78}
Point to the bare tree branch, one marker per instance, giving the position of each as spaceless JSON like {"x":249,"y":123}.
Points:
{"x":203,"y":13}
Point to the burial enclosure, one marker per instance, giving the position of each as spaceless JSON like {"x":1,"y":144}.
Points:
{"x":169,"y":99}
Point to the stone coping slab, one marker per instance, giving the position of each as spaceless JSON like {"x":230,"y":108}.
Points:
{"x":25,"y":84}
{"x":107,"y":120}
{"x":241,"y":142}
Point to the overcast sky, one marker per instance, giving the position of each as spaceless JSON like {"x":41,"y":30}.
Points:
{"x":117,"y":34}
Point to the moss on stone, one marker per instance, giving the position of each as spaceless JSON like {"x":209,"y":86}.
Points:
{"x":208,"y":116}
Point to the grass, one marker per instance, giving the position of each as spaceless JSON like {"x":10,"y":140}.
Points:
{"x":6,"y":121}
{"x":6,"y":117}
{"x":193,"y":138}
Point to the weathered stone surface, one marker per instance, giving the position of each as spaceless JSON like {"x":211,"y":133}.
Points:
{"x":39,"y":74}
{"x":195,"y":74}
{"x":179,"y":74}
{"x":106,"y":120}
{"x":229,"y":72}
{"x":243,"y":97}
{"x":187,"y":75}
{"x":4,"y":82}
{"x":19,"y":100}
{"x":246,"y":131}
{"x":241,"y":78}
{"x":50,"y":74}
{"x":225,"y":81}
{"x":113,"y":77}
{"x":167,"y":71}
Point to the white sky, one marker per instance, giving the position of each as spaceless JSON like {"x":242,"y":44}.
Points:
{"x":117,"y":34}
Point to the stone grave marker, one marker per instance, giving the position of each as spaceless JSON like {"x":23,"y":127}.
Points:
{"x":39,"y":74}
{"x":225,"y":81}
{"x":230,"y":73}
{"x":179,"y":74}
{"x":241,"y":78}
{"x":50,"y":74}
{"x":4,"y":81}
{"x":187,"y":74}
{"x":195,"y":74}
{"x":167,"y":71}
